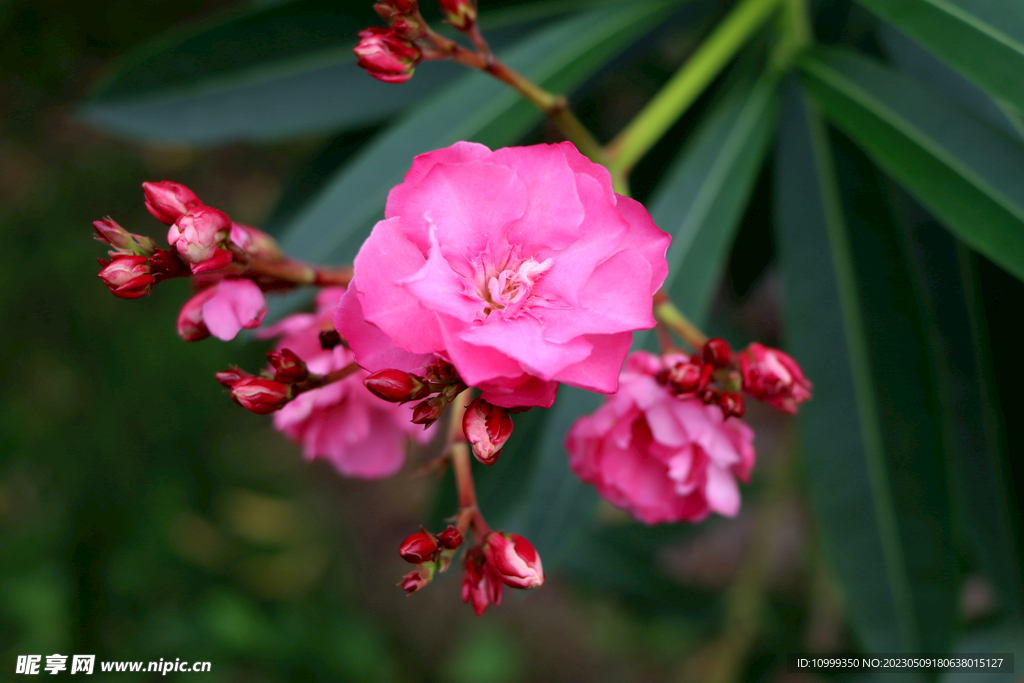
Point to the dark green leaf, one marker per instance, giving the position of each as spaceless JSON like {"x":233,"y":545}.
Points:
{"x":873,"y":437}
{"x":984,"y":41}
{"x":970,"y":176}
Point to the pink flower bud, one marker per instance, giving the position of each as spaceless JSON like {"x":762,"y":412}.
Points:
{"x":227,"y":378}
{"x":396,"y":386}
{"x":127,"y":277}
{"x":387,"y":56}
{"x":256,"y":243}
{"x":732,"y":404}
{"x":480,"y":584}
{"x":717,"y":353}
{"x":190,"y":320}
{"x":419,"y":547}
{"x":487,"y":428}
{"x":450,"y":538}
{"x":109,"y":232}
{"x":198,"y":234}
{"x":773,"y":377}
{"x":167,"y":200}
{"x":460,"y":13}
{"x":415,"y":580}
{"x":261,"y":396}
{"x":514,"y":559}
{"x":287,"y":366}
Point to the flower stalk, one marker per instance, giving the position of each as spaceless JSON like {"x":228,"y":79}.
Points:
{"x":666,"y":313}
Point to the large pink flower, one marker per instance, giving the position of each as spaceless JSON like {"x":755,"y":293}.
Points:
{"x":360,"y":434}
{"x":521,"y":267}
{"x":661,"y":458}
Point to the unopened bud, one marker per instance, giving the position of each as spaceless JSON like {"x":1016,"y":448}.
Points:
{"x":261,"y":396}
{"x":487,"y":427}
{"x":514,"y":559}
{"x":167,"y":200}
{"x":426,"y":412}
{"x":717,"y":352}
{"x":773,"y":377}
{"x":386,"y":55}
{"x":109,"y":232}
{"x":480,"y":583}
{"x":287,"y":366}
{"x":684,"y":378}
{"x":732,"y":404}
{"x":198,"y":233}
{"x":416,"y":579}
{"x":127,"y":277}
{"x":419,"y":547}
{"x":190,"y":320}
{"x":396,"y":386}
{"x":227,"y":378}
{"x":450,"y":538}
{"x":459,"y":13}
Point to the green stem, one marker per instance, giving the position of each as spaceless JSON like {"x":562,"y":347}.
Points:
{"x":688,"y":83}
{"x":666,"y":313}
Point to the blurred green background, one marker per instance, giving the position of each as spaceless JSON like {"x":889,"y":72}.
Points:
{"x":144,"y":516}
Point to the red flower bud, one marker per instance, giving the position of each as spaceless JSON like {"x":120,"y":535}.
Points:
{"x":717,"y":352}
{"x":167,"y":200}
{"x":127,"y":277}
{"x":419,"y":547}
{"x":261,"y":396}
{"x":459,"y":13}
{"x":227,"y":378}
{"x":732,"y":404}
{"x":387,"y":56}
{"x":514,"y":559}
{"x":287,"y":366}
{"x":480,"y":583}
{"x":684,"y":378}
{"x":109,"y":232}
{"x":487,"y":428}
{"x":414,"y":581}
{"x":190,"y":320}
{"x":396,"y":386}
{"x":450,"y":538}
{"x":426,"y":412}
{"x":772,"y":376}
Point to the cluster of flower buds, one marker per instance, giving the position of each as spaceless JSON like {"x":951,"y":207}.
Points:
{"x":431,"y":553}
{"x":136,"y":264}
{"x":713,"y":376}
{"x":439,"y":382}
{"x":285,"y":378}
{"x":503,"y":560}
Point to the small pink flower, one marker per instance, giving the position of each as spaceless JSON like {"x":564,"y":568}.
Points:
{"x":521,"y":267}
{"x":167,"y":200}
{"x":514,"y":559}
{"x":386,"y":55}
{"x":773,"y":377}
{"x":662,"y":458}
{"x":199,"y":233}
{"x":360,"y":434}
{"x":233,"y":305}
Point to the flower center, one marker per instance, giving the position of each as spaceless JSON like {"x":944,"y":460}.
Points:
{"x":510,"y":289}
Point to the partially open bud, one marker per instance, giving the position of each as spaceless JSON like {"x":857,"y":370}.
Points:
{"x":396,"y":386}
{"x":287,"y":366}
{"x":480,"y":584}
{"x":127,"y":277}
{"x":417,"y":579}
{"x":167,"y":200}
{"x":227,"y":378}
{"x":419,"y":547}
{"x":450,"y":538}
{"x":386,"y":55}
{"x":514,"y":559}
{"x":198,"y":233}
{"x":261,"y":396}
{"x":487,"y":427}
{"x":459,"y":13}
{"x":717,"y":353}
{"x":732,"y":404}
{"x":773,"y":377}
{"x":190,"y":320}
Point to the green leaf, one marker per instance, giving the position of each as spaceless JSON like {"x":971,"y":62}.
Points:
{"x":873,"y":438}
{"x":984,"y":41}
{"x":476,"y":108}
{"x":271,"y":72}
{"x":970,"y":176}
{"x":705,"y":192}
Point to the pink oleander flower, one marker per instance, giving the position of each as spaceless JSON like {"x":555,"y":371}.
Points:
{"x":222,"y":310}
{"x":386,"y":55}
{"x":774,"y":377}
{"x":521,"y":267}
{"x":360,"y":434}
{"x":661,"y":458}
